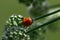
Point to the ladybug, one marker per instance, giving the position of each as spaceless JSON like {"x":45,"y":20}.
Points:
{"x":27,"y":21}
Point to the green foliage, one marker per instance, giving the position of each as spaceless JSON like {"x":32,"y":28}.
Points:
{"x":15,"y":23}
{"x":15,"y":33}
{"x":26,"y":2}
{"x":14,"y":29}
{"x":14,"y":20}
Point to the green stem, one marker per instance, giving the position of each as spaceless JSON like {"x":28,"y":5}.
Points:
{"x":37,"y":18}
{"x":44,"y":24}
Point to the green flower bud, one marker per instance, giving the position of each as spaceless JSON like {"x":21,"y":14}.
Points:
{"x":19,"y":16}
{"x":20,"y":33}
{"x":15,"y":32}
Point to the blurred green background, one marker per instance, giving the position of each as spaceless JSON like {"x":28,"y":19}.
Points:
{"x":9,"y":7}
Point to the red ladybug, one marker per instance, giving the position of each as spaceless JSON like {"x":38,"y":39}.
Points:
{"x":27,"y":21}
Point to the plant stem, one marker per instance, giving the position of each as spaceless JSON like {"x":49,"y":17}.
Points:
{"x":44,"y":24}
{"x":37,"y":18}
